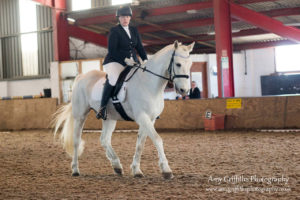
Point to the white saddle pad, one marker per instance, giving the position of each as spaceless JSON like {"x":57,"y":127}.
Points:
{"x":98,"y":88}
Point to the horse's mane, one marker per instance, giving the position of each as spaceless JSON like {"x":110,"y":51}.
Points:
{"x":161,"y":52}
{"x":164,"y":50}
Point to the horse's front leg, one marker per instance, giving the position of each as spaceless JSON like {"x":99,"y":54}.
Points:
{"x":108,"y":126}
{"x":135,"y":166}
{"x":147,"y":126}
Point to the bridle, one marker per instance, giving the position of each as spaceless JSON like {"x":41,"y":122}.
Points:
{"x":170,"y":70}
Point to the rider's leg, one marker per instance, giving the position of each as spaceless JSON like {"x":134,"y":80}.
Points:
{"x":106,"y":94}
{"x":113,"y":71}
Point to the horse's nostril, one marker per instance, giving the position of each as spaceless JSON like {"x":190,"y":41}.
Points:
{"x":182,"y":90}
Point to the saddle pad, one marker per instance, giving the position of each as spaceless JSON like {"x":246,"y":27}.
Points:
{"x":98,"y":88}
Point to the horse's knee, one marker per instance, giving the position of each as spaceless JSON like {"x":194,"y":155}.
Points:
{"x":139,"y":148}
{"x":103,"y":142}
{"x":156,"y":138}
{"x":76,"y":143}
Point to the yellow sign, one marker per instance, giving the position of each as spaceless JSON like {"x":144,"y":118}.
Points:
{"x":233,"y":103}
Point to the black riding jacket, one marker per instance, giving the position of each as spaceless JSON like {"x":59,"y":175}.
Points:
{"x":120,"y":46}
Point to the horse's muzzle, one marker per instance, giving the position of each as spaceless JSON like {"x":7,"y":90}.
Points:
{"x":181,"y":91}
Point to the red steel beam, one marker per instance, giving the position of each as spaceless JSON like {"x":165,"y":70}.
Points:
{"x":177,"y":25}
{"x":222,"y":21}
{"x":60,"y":31}
{"x":88,"y":36}
{"x":264,"y":22}
{"x":209,"y":21}
{"x":153,"y":12}
{"x":57,"y":4}
{"x":60,"y":4}
{"x":49,"y":3}
{"x":160,"y":11}
{"x":282,"y":12}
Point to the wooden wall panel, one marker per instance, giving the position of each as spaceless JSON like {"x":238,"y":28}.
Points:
{"x":260,"y":112}
{"x":255,"y":113}
{"x":26,"y":113}
{"x":292,"y":112}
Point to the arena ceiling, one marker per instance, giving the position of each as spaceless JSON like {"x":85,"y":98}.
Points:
{"x":162,"y":22}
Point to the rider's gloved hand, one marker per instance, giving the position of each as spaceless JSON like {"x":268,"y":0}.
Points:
{"x":130,"y":61}
{"x":144,"y":61}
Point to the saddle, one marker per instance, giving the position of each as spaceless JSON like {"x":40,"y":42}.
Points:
{"x":116,"y":102}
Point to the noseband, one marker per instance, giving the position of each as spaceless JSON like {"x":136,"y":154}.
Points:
{"x":170,"y":70}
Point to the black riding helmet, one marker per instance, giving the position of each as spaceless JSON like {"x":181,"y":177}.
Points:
{"x":124,"y":11}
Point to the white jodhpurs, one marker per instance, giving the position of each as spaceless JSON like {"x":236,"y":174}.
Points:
{"x":113,"y":71}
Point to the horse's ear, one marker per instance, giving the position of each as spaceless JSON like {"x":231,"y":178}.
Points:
{"x":176,"y":44}
{"x":191,"y":46}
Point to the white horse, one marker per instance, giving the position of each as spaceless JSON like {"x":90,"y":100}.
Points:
{"x":144,"y":103}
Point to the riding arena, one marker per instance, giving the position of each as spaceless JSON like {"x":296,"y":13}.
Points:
{"x":208,"y":114}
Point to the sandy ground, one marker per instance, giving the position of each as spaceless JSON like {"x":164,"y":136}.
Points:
{"x":206,"y":165}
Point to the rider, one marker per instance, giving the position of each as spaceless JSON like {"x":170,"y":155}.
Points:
{"x":123,"y":41}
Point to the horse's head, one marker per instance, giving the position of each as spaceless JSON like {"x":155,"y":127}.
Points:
{"x":180,"y":68}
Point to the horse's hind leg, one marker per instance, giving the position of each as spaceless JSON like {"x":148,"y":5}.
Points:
{"x":135,"y":166}
{"x":78,"y":126}
{"x":108,"y":126}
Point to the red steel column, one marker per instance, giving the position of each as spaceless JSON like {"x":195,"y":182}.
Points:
{"x":60,"y":31}
{"x":267,"y":23}
{"x":222,"y":22}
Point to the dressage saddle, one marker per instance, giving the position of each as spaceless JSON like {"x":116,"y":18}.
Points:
{"x":116,"y":102}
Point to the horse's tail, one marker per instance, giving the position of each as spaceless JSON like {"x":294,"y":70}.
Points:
{"x":64,"y":118}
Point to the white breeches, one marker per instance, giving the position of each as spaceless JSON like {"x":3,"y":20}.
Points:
{"x":113,"y":71}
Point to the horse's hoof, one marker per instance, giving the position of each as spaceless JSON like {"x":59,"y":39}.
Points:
{"x":138,"y":176}
{"x":118,"y":171}
{"x":168,"y":175}
{"x":75,"y":174}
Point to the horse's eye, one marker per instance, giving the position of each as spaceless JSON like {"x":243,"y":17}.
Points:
{"x":178,"y":64}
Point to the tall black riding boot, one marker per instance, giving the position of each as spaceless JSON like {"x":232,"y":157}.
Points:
{"x":106,"y":94}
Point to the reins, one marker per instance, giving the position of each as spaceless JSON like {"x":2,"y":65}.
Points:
{"x":170,"y":69}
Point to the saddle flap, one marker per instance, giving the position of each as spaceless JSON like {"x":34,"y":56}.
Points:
{"x":121,"y":96}
{"x":121,"y":80}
